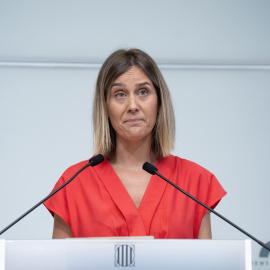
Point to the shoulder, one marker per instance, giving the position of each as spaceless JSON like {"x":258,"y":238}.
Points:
{"x":186,"y":171}
{"x":193,"y":177}
{"x":88,"y":171}
{"x":184,"y":165}
{"x":71,"y":170}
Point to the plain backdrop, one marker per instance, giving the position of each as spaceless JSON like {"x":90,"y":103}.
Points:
{"x":222,"y":111}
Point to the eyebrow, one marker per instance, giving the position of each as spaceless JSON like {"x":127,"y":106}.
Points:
{"x":144,"y":83}
{"x":117,"y":84}
{"x":138,"y":84}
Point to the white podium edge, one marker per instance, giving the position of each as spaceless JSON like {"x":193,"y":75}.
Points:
{"x":2,"y":253}
{"x":248,"y":256}
{"x":247,"y":244}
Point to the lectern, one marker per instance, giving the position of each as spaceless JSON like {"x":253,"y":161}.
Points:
{"x":128,"y":253}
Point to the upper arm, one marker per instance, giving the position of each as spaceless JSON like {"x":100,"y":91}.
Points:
{"x":205,"y":229}
{"x":61,"y":229}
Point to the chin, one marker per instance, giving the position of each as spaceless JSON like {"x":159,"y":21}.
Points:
{"x":137,"y":136}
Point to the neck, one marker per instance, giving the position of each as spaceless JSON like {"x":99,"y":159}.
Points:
{"x":133,"y":153}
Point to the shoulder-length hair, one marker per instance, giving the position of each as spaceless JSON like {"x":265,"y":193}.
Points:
{"x":119,"y":62}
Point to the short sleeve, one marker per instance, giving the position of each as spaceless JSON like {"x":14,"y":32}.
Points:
{"x":210,"y":192}
{"x":59,"y":202}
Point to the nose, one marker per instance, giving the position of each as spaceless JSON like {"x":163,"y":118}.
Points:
{"x":132,"y":104}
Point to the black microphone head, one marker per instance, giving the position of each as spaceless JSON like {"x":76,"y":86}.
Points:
{"x":96,"y":160}
{"x":150,"y":168}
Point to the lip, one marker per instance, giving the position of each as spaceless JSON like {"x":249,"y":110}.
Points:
{"x":133,"y":120}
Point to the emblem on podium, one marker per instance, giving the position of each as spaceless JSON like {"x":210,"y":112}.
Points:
{"x":124,"y":255}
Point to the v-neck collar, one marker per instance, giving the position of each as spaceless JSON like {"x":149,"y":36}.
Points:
{"x":154,"y":193}
{"x":138,"y":219}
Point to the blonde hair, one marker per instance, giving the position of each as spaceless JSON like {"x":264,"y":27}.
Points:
{"x":116,"y":64}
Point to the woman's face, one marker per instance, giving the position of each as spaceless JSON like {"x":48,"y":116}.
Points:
{"x":132,"y":105}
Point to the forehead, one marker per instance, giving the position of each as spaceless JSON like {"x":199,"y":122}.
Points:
{"x":133,"y":74}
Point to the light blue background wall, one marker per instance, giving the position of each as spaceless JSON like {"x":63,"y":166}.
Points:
{"x":222,"y":111}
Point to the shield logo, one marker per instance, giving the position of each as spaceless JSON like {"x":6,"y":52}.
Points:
{"x":124,"y":255}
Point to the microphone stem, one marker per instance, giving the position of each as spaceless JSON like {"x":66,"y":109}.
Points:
{"x":214,"y":212}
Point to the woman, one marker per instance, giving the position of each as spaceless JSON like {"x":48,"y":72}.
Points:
{"x":134,"y":123}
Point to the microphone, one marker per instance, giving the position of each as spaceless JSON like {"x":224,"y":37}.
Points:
{"x":96,"y":160}
{"x":150,"y":168}
{"x":92,"y":162}
{"x":153,"y":170}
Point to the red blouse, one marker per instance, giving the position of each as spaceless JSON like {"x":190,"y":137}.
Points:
{"x":96,"y":203}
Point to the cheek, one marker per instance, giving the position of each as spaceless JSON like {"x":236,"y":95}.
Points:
{"x":153,"y":111}
{"x":110,"y":109}
{"x":113,"y":113}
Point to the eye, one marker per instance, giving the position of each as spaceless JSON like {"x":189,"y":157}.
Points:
{"x":120,"y":94}
{"x":143,"y":92}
